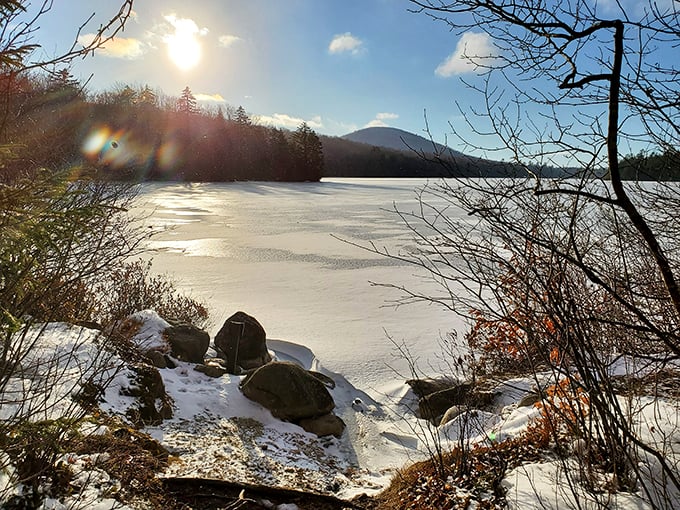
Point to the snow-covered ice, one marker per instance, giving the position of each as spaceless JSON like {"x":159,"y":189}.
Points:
{"x":270,"y":250}
{"x":276,"y":251}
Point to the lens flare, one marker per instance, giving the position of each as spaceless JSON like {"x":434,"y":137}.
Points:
{"x":95,"y":142}
{"x":167,"y":156}
{"x":115,"y":149}
{"x":123,"y":149}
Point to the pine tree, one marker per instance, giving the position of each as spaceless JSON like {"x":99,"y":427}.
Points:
{"x":147,"y":97}
{"x":126,"y":97}
{"x":64,"y":86}
{"x":242,"y":118}
{"x":187,"y":102}
{"x":308,"y":154}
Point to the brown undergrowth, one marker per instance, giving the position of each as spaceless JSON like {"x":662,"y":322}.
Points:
{"x":133,"y":458}
{"x":476,"y":484}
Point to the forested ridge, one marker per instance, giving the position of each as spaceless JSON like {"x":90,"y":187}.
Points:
{"x":137,"y":133}
{"x":141,"y":134}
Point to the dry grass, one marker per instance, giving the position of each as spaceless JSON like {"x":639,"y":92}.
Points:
{"x":134,"y":459}
{"x":473,"y":476}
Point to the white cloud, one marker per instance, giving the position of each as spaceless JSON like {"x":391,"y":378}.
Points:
{"x":345,"y":43}
{"x":288,"y":121}
{"x":377,"y":123}
{"x":473,"y":49}
{"x":185,"y":26}
{"x":118,"y":47}
{"x":210,"y":98}
{"x":228,"y":40}
{"x":381,"y":118}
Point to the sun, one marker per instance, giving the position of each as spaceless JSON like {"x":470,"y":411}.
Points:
{"x":184,"y":48}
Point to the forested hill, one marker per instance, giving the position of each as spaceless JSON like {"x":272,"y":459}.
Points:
{"x":141,"y":134}
{"x":144,"y":135}
{"x":393,"y":138}
{"x":347,"y":158}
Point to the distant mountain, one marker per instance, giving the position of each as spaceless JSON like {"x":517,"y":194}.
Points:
{"x":373,"y":157}
{"x":398,"y":139}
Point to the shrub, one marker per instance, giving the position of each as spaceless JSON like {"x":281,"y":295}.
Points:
{"x":130,"y":287}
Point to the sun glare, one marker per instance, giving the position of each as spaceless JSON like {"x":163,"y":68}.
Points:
{"x":184,"y":48}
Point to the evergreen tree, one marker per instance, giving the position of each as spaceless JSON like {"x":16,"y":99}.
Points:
{"x":221,"y":120}
{"x":308,"y":154}
{"x":126,"y":97}
{"x":187,"y":102}
{"x":242,"y":118}
{"x":63,"y":87}
{"x":147,"y":97}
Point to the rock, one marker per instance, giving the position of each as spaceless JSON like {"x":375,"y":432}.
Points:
{"x":152,"y":404}
{"x":242,"y":342}
{"x":433,"y":406}
{"x":288,"y":391}
{"x":358,"y":405}
{"x":451,"y":413}
{"x":328,"y":382}
{"x":424,"y":387}
{"x":187,"y":342}
{"x":529,"y":399}
{"x":157,"y":359}
{"x":211,"y":370}
{"x":326,"y":425}
{"x":215,"y":361}
{"x":481,"y":399}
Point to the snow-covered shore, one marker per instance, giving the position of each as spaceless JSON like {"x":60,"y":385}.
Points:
{"x":218,"y":433}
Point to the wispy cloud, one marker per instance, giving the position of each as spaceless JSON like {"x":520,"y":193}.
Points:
{"x":227,"y":40}
{"x":474,"y":49}
{"x":381,"y":119}
{"x":288,"y":121}
{"x":346,"y":43}
{"x":118,"y":47}
{"x":210,"y":98}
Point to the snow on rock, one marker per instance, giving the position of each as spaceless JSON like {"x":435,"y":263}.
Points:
{"x":515,"y":423}
{"x":149,"y":336}
{"x":8,"y":476}
{"x":216,"y":432}
{"x":471,"y":426}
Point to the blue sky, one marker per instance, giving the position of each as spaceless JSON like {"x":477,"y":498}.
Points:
{"x":339,"y":65}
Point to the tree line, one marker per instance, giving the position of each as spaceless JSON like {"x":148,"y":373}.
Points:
{"x":140,"y":134}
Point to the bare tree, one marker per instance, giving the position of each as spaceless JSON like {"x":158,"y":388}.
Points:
{"x":58,"y":235}
{"x":579,"y":273}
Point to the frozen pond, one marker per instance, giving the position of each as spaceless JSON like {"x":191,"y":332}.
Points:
{"x":272,"y":250}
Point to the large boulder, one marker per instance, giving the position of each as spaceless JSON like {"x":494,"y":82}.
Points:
{"x":187,"y":342}
{"x":288,"y":391}
{"x":326,"y":425}
{"x":425,"y":387}
{"x":242,"y":343}
{"x":433,"y":407}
